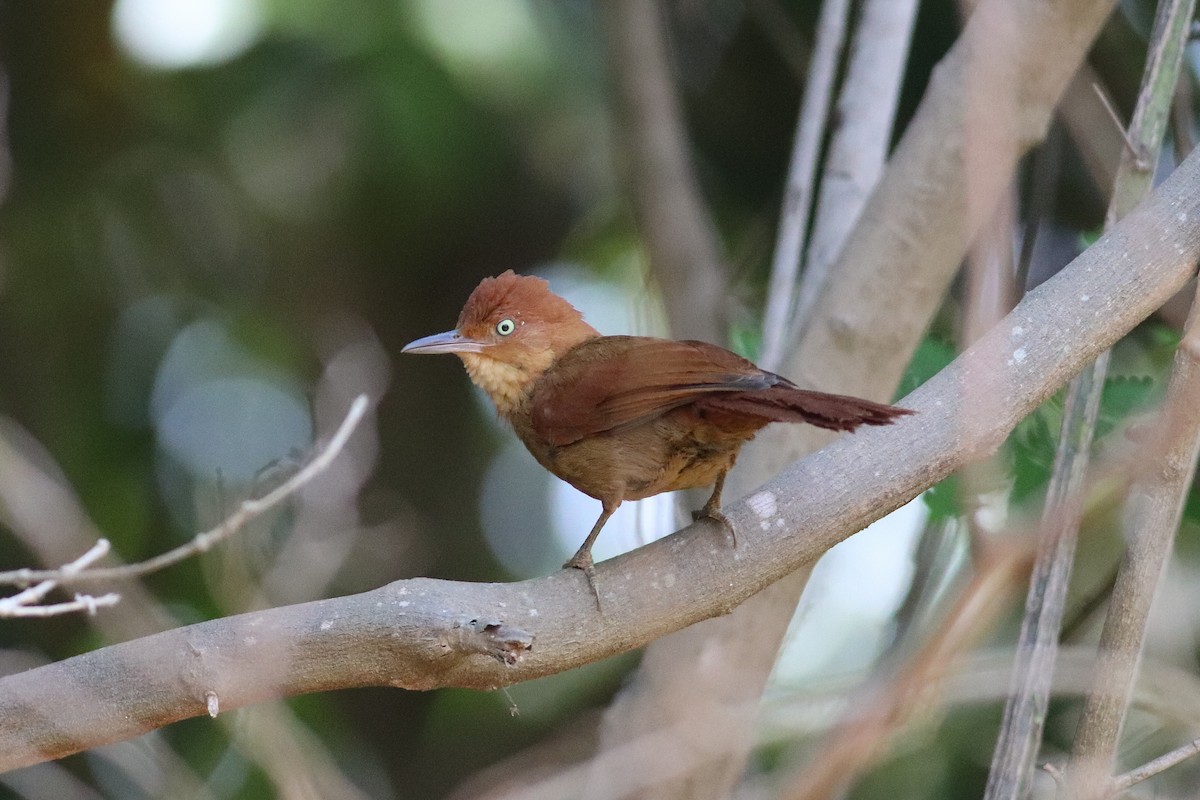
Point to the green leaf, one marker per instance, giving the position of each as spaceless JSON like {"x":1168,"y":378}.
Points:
{"x":932,"y":355}
{"x":1122,"y":396}
{"x":944,"y":500}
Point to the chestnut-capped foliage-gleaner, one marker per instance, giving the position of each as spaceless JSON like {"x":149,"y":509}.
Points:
{"x":624,"y":417}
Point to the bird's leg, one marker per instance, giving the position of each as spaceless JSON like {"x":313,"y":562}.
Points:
{"x":712,"y":509}
{"x":582,"y":560}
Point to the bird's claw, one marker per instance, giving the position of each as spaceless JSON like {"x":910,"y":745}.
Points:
{"x":582,"y":561}
{"x":718,"y":516}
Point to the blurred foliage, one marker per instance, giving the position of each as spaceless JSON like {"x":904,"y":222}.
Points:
{"x":341,"y":184}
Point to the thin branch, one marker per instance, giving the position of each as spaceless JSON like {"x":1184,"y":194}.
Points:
{"x":1037,"y":645}
{"x":27,"y":603}
{"x":204,"y":541}
{"x":1025,"y":712}
{"x":1169,"y":693}
{"x":1160,"y":764}
{"x":1131,"y":147}
{"x":802,"y":169}
{"x":422,"y":633}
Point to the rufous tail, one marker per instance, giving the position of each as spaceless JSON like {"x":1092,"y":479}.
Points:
{"x":788,"y":404}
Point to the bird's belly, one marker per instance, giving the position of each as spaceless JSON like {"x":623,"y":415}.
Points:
{"x":643,"y":461}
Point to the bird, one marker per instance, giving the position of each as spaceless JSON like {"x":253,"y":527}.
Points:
{"x":624,"y":417}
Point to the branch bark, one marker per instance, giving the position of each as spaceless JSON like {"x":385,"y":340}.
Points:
{"x":423,"y":633}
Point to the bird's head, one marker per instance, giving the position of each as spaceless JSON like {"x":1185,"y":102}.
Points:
{"x":510,"y":331}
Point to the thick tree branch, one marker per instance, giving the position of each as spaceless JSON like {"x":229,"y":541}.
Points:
{"x":422,"y":633}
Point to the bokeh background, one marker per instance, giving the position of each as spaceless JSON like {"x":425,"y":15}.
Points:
{"x":221,"y":219}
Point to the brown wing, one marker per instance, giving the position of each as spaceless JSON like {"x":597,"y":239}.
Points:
{"x":613,"y":381}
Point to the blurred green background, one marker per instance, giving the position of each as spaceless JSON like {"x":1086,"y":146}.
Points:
{"x":221,"y":219}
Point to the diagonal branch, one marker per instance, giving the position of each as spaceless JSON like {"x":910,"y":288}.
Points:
{"x":422,"y":633}
{"x":1160,"y":764}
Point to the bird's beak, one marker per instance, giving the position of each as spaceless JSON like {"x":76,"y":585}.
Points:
{"x":448,"y":342}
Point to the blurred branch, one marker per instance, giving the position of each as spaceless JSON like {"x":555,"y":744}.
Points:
{"x":862,"y":737}
{"x":1020,"y":734}
{"x":866,"y":114}
{"x":1025,"y":712}
{"x":1169,"y":693}
{"x":953,"y":164}
{"x":990,"y":99}
{"x":1155,"y":507}
{"x":27,"y":603}
{"x":801,"y":178}
{"x":202,"y":542}
{"x":1160,"y":764}
{"x":685,"y":251}
{"x":422,"y":633}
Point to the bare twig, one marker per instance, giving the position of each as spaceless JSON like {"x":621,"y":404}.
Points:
{"x":1131,"y":147}
{"x":202,"y":542}
{"x":423,"y":633}
{"x":27,"y":603}
{"x":1024,"y":714}
{"x":802,"y":170}
{"x":1037,"y":645}
{"x":1160,"y":764}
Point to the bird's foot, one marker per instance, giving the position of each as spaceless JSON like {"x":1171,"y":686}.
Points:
{"x":718,"y":516}
{"x":583,"y":561}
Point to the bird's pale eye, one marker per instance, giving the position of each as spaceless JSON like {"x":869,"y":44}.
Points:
{"x":505,"y":326}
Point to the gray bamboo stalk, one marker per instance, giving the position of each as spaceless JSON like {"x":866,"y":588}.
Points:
{"x":1024,"y":714}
